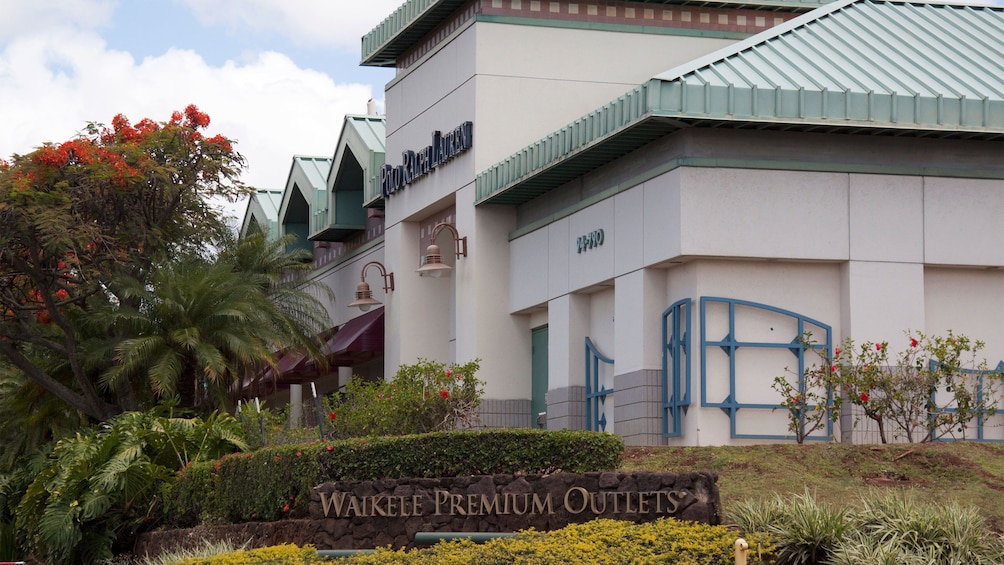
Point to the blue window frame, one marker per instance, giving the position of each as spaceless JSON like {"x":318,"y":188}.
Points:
{"x":730,"y":344}
{"x":980,"y":417}
{"x":596,"y":393}
{"x":675,"y":366}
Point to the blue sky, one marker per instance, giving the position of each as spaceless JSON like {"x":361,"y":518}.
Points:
{"x":277,"y":75}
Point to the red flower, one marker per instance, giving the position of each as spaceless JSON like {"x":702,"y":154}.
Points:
{"x":914,"y":342}
{"x":444,"y":394}
{"x":794,"y":399}
{"x":298,"y":454}
{"x":277,"y":458}
{"x":332,"y":416}
{"x":285,"y":508}
{"x":878,"y":347}
{"x":833,"y":368}
{"x":331,"y":447}
{"x":449,"y":373}
{"x":837,"y":351}
{"x":864,"y":397}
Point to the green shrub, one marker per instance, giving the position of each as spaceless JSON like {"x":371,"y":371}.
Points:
{"x":275,"y":483}
{"x":597,"y":541}
{"x":896,"y":528}
{"x":424,"y":397}
{"x":889,"y":528}
{"x":98,"y":486}
{"x":286,"y":554}
{"x":270,"y":426}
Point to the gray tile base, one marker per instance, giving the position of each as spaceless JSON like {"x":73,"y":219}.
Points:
{"x":638,"y":407}
{"x":504,"y":413}
{"x":566,"y":408}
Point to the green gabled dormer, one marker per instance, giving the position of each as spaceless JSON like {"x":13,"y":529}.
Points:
{"x":262,"y":213}
{"x":304,"y":199}
{"x":353,"y":181}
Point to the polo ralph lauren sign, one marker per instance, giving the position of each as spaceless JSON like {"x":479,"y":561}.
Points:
{"x":416,"y":164}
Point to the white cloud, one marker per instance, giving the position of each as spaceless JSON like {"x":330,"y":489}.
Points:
{"x":19,"y":15}
{"x":336,"y":23}
{"x":53,"y":82}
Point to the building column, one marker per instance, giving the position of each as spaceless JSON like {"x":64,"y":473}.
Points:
{"x":567,"y":325}
{"x":880,"y":301}
{"x":417,"y":311}
{"x":484,"y":327}
{"x":640,"y":298}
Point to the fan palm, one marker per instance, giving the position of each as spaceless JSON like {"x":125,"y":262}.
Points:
{"x":200,"y":326}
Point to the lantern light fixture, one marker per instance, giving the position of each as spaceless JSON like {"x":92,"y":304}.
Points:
{"x":364,"y":296}
{"x":432,"y":262}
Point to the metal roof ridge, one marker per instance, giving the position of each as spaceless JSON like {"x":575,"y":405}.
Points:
{"x":754,"y":40}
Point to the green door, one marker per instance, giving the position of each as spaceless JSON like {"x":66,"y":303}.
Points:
{"x":538,"y":372}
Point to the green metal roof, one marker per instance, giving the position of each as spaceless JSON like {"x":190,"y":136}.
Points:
{"x":414,"y":19}
{"x":263,"y":208}
{"x":361,"y":144}
{"x":308,"y":175}
{"x":855,"y":66}
{"x":315,"y":169}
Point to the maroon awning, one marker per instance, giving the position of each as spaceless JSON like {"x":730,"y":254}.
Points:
{"x":356,"y":341}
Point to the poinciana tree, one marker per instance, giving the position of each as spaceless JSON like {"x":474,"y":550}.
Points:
{"x":84,"y":225}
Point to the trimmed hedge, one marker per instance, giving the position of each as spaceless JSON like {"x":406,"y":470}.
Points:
{"x":275,"y":483}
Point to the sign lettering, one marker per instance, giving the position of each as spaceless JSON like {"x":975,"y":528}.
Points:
{"x":416,"y":164}
{"x":576,"y":500}
{"x":590,"y":240}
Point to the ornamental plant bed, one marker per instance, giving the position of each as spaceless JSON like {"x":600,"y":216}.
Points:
{"x":967,"y":473}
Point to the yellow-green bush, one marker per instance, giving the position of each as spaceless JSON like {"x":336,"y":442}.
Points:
{"x":595,"y":542}
{"x":286,"y":554}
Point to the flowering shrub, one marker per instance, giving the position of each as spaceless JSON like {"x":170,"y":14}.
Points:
{"x":423,"y":397}
{"x":934,"y":387}
{"x":809,"y":400}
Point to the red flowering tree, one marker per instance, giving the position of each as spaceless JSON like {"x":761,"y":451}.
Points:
{"x":111,"y":202}
{"x":932,"y":387}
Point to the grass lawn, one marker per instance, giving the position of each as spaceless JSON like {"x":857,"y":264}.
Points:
{"x":968,"y":474}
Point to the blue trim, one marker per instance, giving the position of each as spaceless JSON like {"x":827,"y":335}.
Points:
{"x":676,"y":324}
{"x":980,"y":420}
{"x":596,"y":394}
{"x":729,"y":344}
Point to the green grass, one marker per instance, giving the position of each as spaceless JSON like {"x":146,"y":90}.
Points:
{"x":967,"y":474}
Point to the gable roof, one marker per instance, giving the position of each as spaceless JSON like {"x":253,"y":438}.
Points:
{"x":364,"y":136}
{"x":415,"y":19}
{"x":855,"y":66}
{"x":308,"y":175}
{"x":263,"y":208}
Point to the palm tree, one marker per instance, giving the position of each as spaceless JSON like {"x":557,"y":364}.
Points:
{"x":201,"y":325}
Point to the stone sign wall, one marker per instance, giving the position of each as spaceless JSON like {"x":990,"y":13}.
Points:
{"x":366,"y":514}
{"x":376,"y":513}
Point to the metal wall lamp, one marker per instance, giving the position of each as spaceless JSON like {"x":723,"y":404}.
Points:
{"x":432,"y":262}
{"x":364,"y":296}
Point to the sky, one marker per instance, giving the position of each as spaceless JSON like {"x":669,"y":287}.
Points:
{"x":276,"y":75}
